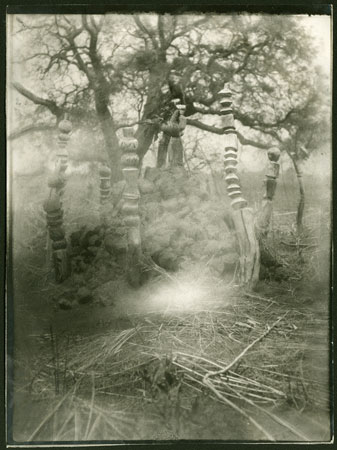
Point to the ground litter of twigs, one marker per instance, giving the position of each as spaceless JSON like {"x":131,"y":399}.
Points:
{"x":193,"y":357}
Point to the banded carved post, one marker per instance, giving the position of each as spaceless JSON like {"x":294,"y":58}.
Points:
{"x":64,"y":129}
{"x":243,"y":218}
{"x":54,"y":215}
{"x":130,"y":209}
{"x":57,"y":180}
{"x":264,"y":218}
{"x":104,"y":189}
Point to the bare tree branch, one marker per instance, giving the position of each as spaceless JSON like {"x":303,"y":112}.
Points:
{"x":188,"y":28}
{"x":253,"y":143}
{"x":223,"y":130}
{"x":253,"y":123}
{"x":161,"y":32}
{"x":31,"y":129}
{"x":146,"y":31}
{"x":51,"y":105}
{"x":245,"y":119}
{"x":205,"y":127}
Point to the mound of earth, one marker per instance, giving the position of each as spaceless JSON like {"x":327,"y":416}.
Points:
{"x":182,"y":226}
{"x":182,"y":223}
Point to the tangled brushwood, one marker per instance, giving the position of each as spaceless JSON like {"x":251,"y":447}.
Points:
{"x":170,"y":368}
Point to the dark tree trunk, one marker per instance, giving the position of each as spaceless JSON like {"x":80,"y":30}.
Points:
{"x":145,"y":132}
{"x":301,"y":203}
{"x":112,"y":147}
{"x":108,"y":130}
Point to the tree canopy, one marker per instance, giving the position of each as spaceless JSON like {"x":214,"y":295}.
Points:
{"x":114,"y":70}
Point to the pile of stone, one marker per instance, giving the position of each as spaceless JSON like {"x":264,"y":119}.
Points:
{"x":182,"y":221}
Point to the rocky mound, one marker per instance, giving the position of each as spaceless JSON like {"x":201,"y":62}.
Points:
{"x":182,"y":223}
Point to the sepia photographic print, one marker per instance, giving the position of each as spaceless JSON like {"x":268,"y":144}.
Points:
{"x":168,"y":227}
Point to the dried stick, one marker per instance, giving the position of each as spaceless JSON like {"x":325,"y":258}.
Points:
{"x":98,"y":418}
{"x":235,"y":360}
{"x":91,"y":407}
{"x":65,"y":423}
{"x":258,"y":297}
{"x":273,"y":416}
{"x":239,"y":410}
{"x":76,"y":424}
{"x":213,"y":363}
{"x":49,"y":416}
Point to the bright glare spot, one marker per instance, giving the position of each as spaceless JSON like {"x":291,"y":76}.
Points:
{"x":184,"y":292}
{"x":187,"y":291}
{"x":179,"y":296}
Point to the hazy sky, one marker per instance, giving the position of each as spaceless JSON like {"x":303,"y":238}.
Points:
{"x":320,"y":28}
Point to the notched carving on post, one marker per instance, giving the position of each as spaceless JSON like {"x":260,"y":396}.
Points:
{"x":54,"y":213}
{"x":56,"y":241}
{"x":243,"y":217}
{"x":130,"y":209}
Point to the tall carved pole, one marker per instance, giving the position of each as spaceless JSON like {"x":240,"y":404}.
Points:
{"x":64,"y":129}
{"x":243,"y":217}
{"x":56,"y":242}
{"x":130,"y":209}
{"x":54,"y":213}
{"x":105,"y":190}
{"x":264,"y":218}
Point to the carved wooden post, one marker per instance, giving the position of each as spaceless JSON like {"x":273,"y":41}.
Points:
{"x":57,"y":180}
{"x":64,"y":129}
{"x":54,"y":213}
{"x":104,"y":189}
{"x":272,"y":174}
{"x":242,"y":215}
{"x":130,"y":209}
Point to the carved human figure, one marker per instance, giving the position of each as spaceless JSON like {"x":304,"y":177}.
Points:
{"x":264,"y":218}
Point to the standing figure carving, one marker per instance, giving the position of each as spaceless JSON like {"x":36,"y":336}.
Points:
{"x":264,"y":219}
